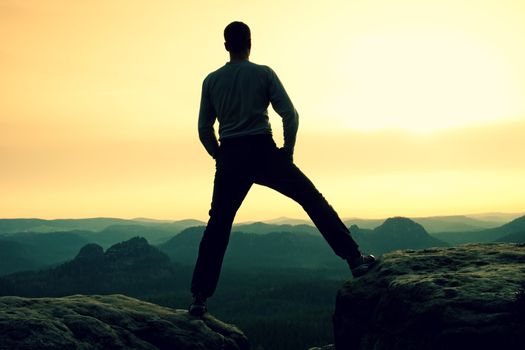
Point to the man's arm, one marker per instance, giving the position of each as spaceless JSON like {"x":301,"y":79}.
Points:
{"x":282,"y":104}
{"x":207,"y":118}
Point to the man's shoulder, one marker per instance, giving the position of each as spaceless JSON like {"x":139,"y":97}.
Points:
{"x":258,"y":71}
{"x":249,"y":65}
{"x":212,"y":74}
{"x":261,"y":67}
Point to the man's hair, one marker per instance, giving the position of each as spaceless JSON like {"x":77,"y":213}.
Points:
{"x":238,"y":37}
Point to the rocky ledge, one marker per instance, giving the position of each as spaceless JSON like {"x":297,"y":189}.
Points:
{"x":109,"y":322}
{"x":467,"y":297}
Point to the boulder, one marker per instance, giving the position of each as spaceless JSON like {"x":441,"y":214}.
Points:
{"x":466,"y":297}
{"x":109,"y":322}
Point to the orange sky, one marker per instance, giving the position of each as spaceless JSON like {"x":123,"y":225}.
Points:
{"x":407,"y":108}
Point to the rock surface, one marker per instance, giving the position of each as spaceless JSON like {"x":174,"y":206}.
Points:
{"x":109,"y":322}
{"x":466,"y":297}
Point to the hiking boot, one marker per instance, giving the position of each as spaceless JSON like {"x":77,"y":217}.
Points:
{"x":361,"y":265}
{"x":198,"y":307}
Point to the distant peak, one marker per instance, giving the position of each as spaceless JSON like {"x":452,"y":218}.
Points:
{"x":90,"y":251}
{"x":131,"y":244}
{"x":399,"y":223}
{"x":399,"y":220}
{"x":137,"y":240}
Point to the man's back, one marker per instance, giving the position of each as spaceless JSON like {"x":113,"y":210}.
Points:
{"x":238,"y":95}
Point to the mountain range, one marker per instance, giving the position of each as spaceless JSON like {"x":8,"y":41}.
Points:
{"x":453,"y":223}
{"x":8,"y":226}
{"x":301,"y":244}
{"x":301,"y":247}
{"x":249,"y":251}
{"x":513,"y":231}
{"x":133,"y":264}
{"x":450,"y":223}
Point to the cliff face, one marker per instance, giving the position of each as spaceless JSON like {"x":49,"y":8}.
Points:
{"x":109,"y":322}
{"x":467,"y":297}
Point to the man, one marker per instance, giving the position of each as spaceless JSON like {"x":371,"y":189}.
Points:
{"x":238,"y":95}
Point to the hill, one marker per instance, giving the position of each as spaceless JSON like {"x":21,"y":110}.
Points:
{"x":118,"y":233}
{"x":517,"y":237}
{"x":288,"y":221}
{"x":132,"y":266}
{"x":298,"y":249}
{"x":10,"y":226}
{"x":37,"y":250}
{"x":249,"y":250}
{"x":15,"y":257}
{"x":498,"y":218}
{"x":394,"y":233}
{"x":513,"y":232}
{"x":453,"y":223}
{"x":42,"y":225}
{"x":516,"y":226}
{"x":263,"y":228}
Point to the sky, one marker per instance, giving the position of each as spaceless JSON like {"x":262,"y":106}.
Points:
{"x":411,"y":108}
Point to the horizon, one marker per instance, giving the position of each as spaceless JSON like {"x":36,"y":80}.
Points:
{"x":406,"y":108}
{"x":479,"y":216}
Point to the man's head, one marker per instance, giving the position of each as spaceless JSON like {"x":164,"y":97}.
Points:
{"x":238,"y":41}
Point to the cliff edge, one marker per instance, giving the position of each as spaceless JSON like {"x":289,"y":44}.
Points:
{"x":466,"y":297}
{"x":109,"y":322}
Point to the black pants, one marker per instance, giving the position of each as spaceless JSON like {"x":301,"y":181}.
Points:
{"x":242,"y":162}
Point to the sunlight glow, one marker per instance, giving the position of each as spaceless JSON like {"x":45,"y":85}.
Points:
{"x":422,"y":82}
{"x":401,"y":104}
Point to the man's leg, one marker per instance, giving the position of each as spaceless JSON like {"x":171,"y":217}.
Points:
{"x":280,"y":174}
{"x":230,"y":189}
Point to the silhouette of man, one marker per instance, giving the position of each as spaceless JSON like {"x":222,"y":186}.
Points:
{"x":238,"y":95}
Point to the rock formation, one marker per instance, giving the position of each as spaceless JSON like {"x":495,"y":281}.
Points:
{"x":128,"y":267}
{"x":109,"y":322}
{"x":466,"y":297}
